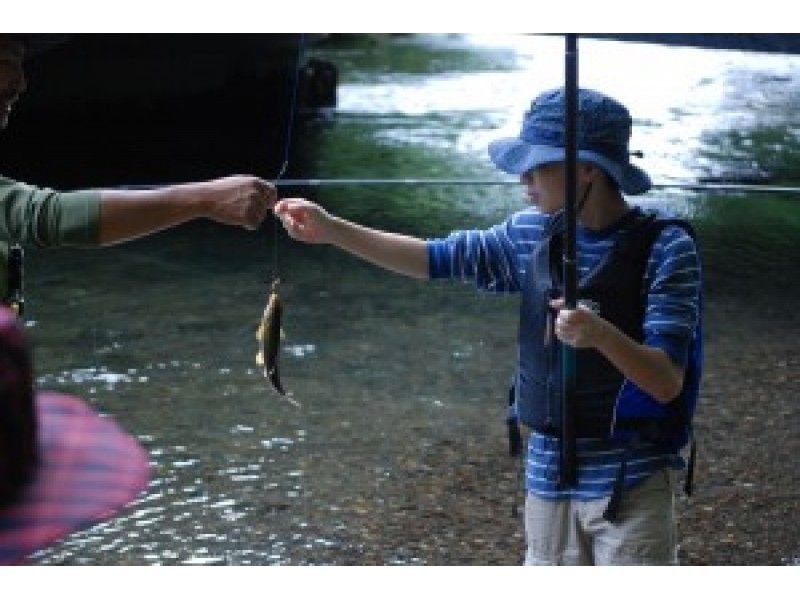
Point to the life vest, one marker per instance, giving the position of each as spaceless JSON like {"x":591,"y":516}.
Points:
{"x":606,"y":404}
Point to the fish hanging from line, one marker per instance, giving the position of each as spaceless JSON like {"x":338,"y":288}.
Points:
{"x":269,"y":334}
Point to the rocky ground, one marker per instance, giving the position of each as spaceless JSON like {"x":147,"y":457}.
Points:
{"x":453,"y":503}
{"x":447,"y":493}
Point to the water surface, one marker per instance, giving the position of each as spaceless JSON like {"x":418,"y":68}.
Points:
{"x":159,"y":332}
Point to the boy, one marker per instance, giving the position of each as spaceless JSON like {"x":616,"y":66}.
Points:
{"x":635,"y":332}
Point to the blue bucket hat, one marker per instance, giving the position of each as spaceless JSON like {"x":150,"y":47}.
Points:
{"x":603,"y":132}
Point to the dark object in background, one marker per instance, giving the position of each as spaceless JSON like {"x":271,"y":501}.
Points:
{"x":317,"y":87}
{"x":113,"y":109}
{"x":36,"y":43}
{"x":782,"y":43}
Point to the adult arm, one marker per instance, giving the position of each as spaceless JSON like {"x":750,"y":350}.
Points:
{"x":236,"y":200}
{"x":50,"y":218}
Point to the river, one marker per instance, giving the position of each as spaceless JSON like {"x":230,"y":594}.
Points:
{"x":159,"y":333}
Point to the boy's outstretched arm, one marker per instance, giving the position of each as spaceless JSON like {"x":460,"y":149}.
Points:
{"x":308,"y":222}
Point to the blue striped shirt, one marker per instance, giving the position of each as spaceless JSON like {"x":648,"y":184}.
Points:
{"x":495,"y":260}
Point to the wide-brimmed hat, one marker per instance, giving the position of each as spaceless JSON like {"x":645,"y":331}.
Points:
{"x":602,"y":135}
{"x":63,"y":467}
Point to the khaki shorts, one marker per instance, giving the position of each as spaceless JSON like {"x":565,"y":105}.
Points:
{"x":573,"y":532}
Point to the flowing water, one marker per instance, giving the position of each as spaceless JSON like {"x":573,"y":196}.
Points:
{"x":159,"y":333}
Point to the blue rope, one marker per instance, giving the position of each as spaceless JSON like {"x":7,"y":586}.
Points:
{"x":292,"y":108}
{"x":287,"y":144}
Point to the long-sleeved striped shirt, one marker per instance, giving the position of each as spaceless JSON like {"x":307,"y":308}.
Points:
{"x":495,"y":260}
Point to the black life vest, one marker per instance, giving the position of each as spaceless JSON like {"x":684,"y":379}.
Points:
{"x":606,"y":405}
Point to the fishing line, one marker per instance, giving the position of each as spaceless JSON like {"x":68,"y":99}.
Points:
{"x":288,"y":137}
{"x":287,"y":144}
{"x":722,"y":188}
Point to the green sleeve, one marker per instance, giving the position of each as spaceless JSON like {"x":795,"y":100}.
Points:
{"x":32,"y":215}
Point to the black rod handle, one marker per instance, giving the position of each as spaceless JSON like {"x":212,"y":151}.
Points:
{"x":568,"y":453}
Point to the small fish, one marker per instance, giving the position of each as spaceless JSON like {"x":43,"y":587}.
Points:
{"x":269,"y":335}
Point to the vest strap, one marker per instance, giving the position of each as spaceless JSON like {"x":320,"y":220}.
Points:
{"x":512,"y":421}
{"x":612,"y":509}
{"x":688,"y":486}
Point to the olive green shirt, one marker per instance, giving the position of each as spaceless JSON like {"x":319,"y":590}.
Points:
{"x":47,"y":218}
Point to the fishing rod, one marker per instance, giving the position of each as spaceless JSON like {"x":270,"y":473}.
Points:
{"x":568,"y":445}
{"x":417,"y":182}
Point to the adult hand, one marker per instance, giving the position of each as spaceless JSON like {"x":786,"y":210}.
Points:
{"x":304,"y":220}
{"x":580,"y":328}
{"x":239,"y":200}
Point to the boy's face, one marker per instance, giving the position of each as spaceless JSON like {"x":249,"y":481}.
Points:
{"x":545,"y":187}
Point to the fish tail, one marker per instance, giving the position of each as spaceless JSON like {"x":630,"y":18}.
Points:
{"x":275,"y":379}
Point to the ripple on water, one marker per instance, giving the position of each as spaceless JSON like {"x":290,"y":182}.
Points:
{"x":204,"y":560}
{"x":281,"y":443}
{"x":85,"y":375}
{"x":299,"y":351}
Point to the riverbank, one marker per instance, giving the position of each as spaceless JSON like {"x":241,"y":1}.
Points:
{"x":398,"y":454}
{"x":452,"y":492}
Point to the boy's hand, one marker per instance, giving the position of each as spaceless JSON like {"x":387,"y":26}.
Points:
{"x":580,"y":328}
{"x":304,"y":220}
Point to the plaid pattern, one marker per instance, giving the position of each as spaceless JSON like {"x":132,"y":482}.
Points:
{"x":88,"y":469}
{"x":18,"y":447}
